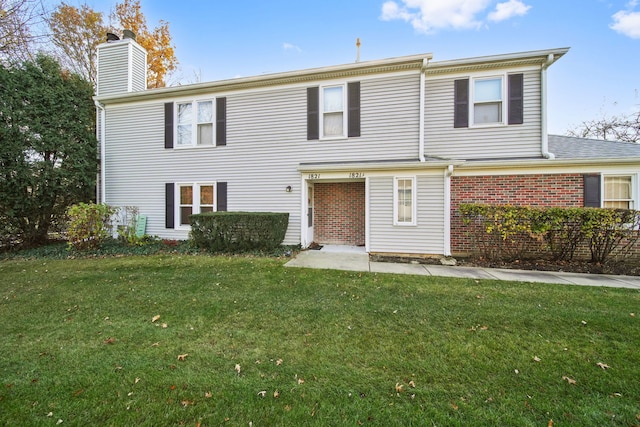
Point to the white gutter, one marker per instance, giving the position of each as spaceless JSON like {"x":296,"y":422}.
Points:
{"x":101,"y":135}
{"x":425,"y":63}
{"x":543,"y":106}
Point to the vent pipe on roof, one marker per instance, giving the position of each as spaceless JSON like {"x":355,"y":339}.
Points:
{"x":112,"y":37}
{"x":358,"y":49}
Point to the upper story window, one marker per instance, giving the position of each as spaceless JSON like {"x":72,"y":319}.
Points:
{"x":196,"y":124}
{"x":618,"y":192}
{"x":333,"y":116}
{"x":489,"y":100}
{"x":404,"y":208}
{"x":333,"y":111}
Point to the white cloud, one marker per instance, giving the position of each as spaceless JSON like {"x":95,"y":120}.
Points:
{"x":627,"y":23}
{"x":508,"y":9}
{"x":289,"y":46}
{"x":428,"y":16}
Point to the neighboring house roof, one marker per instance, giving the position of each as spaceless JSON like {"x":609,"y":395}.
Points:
{"x":568,"y":147}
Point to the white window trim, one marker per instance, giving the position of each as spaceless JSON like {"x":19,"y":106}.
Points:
{"x":634,"y":188}
{"x":195,"y":206}
{"x":194,"y":123}
{"x":414,"y":209}
{"x":345,"y":112}
{"x":472,"y":97}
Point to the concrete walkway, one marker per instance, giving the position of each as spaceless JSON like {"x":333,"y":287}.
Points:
{"x":354,"y":259}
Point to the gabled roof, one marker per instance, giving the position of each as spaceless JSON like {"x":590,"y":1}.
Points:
{"x":568,"y":147}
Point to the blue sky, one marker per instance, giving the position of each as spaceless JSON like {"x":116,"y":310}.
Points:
{"x":600,"y":75}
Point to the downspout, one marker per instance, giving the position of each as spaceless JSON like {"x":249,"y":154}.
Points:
{"x":543,"y":105}
{"x":447,"y":211}
{"x":425,"y":64}
{"x":101,"y":135}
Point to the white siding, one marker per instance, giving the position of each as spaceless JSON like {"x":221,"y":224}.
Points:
{"x":139,"y":69}
{"x":113,"y":69}
{"x":443,"y":140}
{"x":427,"y":237}
{"x":266,"y":141}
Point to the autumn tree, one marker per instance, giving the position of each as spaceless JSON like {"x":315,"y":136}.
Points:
{"x":625,"y":127}
{"x":17,"y":17}
{"x":47,"y":147}
{"x":78,"y":32}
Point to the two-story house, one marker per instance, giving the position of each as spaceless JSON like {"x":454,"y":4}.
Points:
{"x":377,"y":154}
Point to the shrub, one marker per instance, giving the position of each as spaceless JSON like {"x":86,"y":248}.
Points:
{"x":89,"y":225}
{"x":238,"y":231}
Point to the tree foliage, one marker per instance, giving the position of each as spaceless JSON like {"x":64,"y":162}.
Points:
{"x":615,"y":128}
{"x":79,"y":30}
{"x":17,"y":17}
{"x":48,"y":149}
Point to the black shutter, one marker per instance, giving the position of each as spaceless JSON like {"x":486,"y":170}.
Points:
{"x":461,"y":103}
{"x":169,"y":205}
{"x":221,"y":196}
{"x":221,"y":121}
{"x":353,"y":106}
{"x":168,"y":125}
{"x":313,"y":113}
{"x":516,"y":99}
{"x":591,"y":191}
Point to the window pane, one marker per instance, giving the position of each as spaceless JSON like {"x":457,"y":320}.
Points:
{"x":205,"y":134}
{"x":333,"y":99}
{"x":333,"y":124}
{"x":184,"y":135}
{"x":205,"y":112}
{"x":206,"y":195}
{"x":488,"y":90}
{"x":616,"y":205}
{"x":204,"y":209}
{"x":186,"y":195}
{"x":487,"y":113}
{"x":405,"y":208}
{"x":184,"y":113}
{"x":617,"y":187}
{"x":185,"y":212}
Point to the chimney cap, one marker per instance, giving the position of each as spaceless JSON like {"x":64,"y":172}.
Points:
{"x":112,"y":37}
{"x":128,"y":34}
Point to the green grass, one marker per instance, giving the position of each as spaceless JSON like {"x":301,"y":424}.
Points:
{"x":79,"y":345}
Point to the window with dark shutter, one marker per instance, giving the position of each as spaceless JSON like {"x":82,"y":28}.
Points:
{"x":313,"y":115}
{"x":516,"y":99}
{"x":592,"y":187}
{"x":461,"y":103}
{"x":168,"y":125}
{"x":353,"y":102}
{"x":169,"y":205}
{"x":221,"y":121}
{"x":221,"y":196}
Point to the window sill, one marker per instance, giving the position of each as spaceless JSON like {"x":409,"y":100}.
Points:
{"x":334,"y":138}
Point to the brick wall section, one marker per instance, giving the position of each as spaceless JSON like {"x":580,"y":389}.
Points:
{"x":561,"y":190}
{"x":339,"y":213}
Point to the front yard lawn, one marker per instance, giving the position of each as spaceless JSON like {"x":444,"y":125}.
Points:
{"x":210,"y":341}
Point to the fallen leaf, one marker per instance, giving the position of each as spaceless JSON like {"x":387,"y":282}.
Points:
{"x":300,"y":380}
{"x":550,"y":423}
{"x":287,"y":408}
{"x":454,"y":406}
{"x":399,"y":388}
{"x":109,"y":340}
{"x":208,"y":395}
{"x":632,"y":314}
{"x":165,"y":326}
{"x":60,"y":421}
{"x":155,"y":318}
{"x":516,"y":371}
{"x":50,"y":414}
{"x":603,"y":365}
{"x":583,"y":322}
{"x":137,"y":380}
{"x":569,"y":380}
{"x":186,"y":403}
{"x":237,"y":368}
{"x":276,"y":394}
{"x":536,"y":359}
{"x":182,"y":356}
{"x":484,"y":328}
{"x":278,"y":362}
{"x":155,"y":344}
{"x":262,"y":393}
{"x":412,"y":384}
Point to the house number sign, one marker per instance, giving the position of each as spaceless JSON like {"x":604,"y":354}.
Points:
{"x":356,"y":175}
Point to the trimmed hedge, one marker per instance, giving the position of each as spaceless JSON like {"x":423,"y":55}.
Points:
{"x":513,"y":232}
{"x":238,"y":231}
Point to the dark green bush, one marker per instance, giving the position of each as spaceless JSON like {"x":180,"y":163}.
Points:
{"x":238,"y":231}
